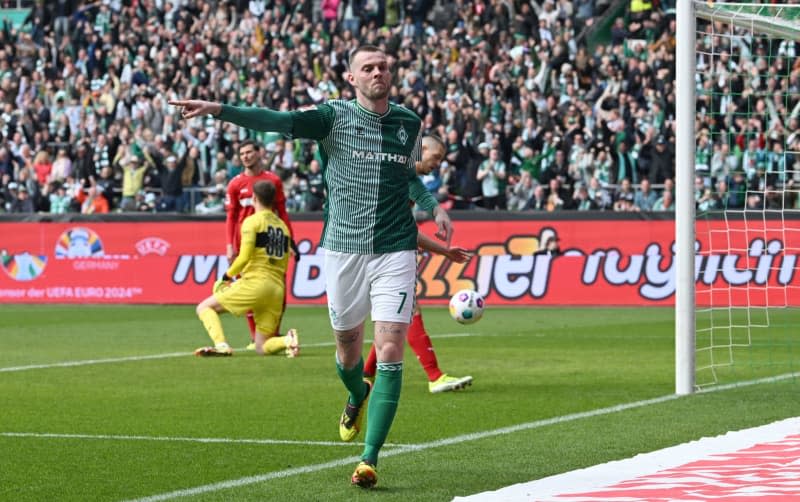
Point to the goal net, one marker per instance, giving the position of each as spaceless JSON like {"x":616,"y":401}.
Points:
{"x":747,"y":192}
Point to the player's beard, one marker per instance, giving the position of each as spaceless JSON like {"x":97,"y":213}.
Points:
{"x":372,"y":92}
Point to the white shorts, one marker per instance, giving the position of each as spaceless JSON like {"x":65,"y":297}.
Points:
{"x":354,"y":282}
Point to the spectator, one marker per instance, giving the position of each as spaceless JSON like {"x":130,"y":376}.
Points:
{"x":133,"y":173}
{"x":708,"y":201}
{"x":699,"y":187}
{"x":23,"y":203}
{"x":599,"y":195}
{"x":625,"y":197}
{"x":171,"y":185}
{"x":538,"y":202}
{"x":514,"y":75}
{"x":723,"y":161}
{"x":27,"y":180}
{"x":92,"y":201}
{"x":774,"y":200}
{"x":581,"y":199}
{"x":521,"y":192}
{"x":102,"y":155}
{"x":662,"y":163}
{"x":295,"y":189}
{"x":282,"y":157}
{"x":62,"y":166}
{"x":316,"y":187}
{"x":232,"y":168}
{"x":8,"y":164}
{"x":9,"y":193}
{"x":212,"y":203}
{"x":329,"y":14}
{"x":625,"y":166}
{"x":665,"y":202}
{"x":645,"y":198}
{"x":702,"y":156}
{"x":736,"y":191}
{"x":108,"y":186}
{"x":220,"y":177}
{"x":60,"y":200}
{"x":191,"y":177}
{"x":669,"y":185}
{"x":146,"y":202}
{"x":491,"y":174}
{"x":83,"y":166}
{"x":558,"y":196}
{"x":42,"y":166}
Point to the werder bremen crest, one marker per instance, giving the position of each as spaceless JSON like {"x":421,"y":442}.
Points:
{"x":402,"y":135}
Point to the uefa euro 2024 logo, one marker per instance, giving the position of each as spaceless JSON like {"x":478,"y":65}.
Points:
{"x":23,"y":266}
{"x":79,"y":242}
{"x":76,"y":242}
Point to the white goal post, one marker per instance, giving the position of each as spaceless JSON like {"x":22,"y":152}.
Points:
{"x":684,"y":198}
{"x":762,"y":238}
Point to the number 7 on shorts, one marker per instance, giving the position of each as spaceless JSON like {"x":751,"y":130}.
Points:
{"x":403,"y":301}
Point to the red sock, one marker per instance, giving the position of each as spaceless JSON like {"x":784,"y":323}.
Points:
{"x":251,"y":321}
{"x":421,"y":345}
{"x":371,"y":363}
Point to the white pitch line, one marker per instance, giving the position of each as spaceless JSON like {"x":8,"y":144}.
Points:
{"x":184,"y":439}
{"x":249,"y":480}
{"x":89,"y":362}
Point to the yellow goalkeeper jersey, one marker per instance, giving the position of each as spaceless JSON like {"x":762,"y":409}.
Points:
{"x":264,"y":251}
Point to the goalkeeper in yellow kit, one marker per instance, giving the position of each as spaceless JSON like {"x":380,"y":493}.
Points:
{"x":262,"y":261}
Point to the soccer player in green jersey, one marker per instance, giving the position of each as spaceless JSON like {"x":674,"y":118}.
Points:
{"x":369,"y":148}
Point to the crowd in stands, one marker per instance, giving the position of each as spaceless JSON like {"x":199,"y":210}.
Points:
{"x":532,"y":119}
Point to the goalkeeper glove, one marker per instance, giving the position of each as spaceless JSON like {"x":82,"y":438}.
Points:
{"x":221,"y":283}
{"x":295,"y":250}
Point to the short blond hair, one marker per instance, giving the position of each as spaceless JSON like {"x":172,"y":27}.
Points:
{"x":432,"y":139}
{"x":42,"y":157}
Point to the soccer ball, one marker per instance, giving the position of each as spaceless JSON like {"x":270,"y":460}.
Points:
{"x":466,"y":306}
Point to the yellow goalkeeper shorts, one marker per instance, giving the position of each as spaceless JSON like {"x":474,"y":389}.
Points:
{"x":262,"y":296}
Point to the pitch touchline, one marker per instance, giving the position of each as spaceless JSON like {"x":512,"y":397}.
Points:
{"x":185,"y":439}
{"x":249,"y":480}
{"x":88,"y":362}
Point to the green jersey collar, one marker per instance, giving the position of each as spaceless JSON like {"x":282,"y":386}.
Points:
{"x":371,"y":113}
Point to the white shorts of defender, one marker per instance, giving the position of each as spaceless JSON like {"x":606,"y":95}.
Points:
{"x":382,"y":284}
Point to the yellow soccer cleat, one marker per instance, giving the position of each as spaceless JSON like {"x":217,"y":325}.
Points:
{"x":353,"y":416}
{"x":446,"y":383}
{"x":365,"y":475}
{"x":292,"y":343}
{"x":213,"y":351}
{"x":251,"y":346}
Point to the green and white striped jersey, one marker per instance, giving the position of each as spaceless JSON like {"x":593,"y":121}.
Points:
{"x":369,"y":175}
{"x":368,"y":170}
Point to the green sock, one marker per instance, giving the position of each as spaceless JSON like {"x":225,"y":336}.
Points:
{"x":353,"y":380}
{"x":382,"y":408}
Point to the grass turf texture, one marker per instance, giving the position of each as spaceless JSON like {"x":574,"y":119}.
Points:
{"x":529,"y":365}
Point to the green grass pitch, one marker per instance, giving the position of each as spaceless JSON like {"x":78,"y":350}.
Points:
{"x":107,"y":403}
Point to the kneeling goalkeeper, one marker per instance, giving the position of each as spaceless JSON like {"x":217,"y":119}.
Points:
{"x":262,"y":261}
